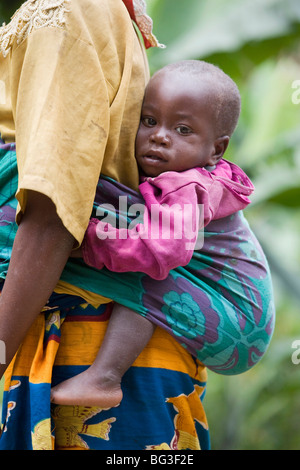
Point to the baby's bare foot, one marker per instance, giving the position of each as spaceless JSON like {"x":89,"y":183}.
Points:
{"x":83,"y":390}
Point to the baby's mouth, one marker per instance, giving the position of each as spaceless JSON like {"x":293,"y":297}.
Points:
{"x":154,"y":157}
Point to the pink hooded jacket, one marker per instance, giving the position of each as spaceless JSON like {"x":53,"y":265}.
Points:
{"x":177,"y":208}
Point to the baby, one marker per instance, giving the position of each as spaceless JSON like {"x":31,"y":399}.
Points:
{"x":211,"y":299}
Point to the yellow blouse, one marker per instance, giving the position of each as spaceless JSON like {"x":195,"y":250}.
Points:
{"x":72,"y":78}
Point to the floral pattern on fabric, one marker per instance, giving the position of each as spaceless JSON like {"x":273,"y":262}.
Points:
{"x":162,"y":405}
{"x":178,"y":307}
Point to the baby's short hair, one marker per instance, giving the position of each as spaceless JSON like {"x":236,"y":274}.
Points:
{"x":226,"y":97}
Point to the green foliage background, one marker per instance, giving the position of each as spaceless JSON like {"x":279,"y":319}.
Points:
{"x":257,"y":43}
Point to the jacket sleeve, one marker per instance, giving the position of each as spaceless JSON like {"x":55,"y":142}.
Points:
{"x":165,"y":240}
{"x":172,"y":227}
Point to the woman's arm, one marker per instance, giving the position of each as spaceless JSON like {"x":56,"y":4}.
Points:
{"x":41,"y":249}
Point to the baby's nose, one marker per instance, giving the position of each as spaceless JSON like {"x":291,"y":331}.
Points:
{"x":160,"y":137}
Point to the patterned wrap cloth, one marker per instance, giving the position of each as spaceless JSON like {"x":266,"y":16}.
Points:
{"x":233,"y":329}
{"x":219,"y":306}
{"x":163,"y":391}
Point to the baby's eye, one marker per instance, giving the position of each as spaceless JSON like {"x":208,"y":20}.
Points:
{"x":183,"y":130}
{"x":148,"y":121}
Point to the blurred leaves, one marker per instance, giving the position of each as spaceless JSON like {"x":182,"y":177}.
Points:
{"x":203,"y":28}
{"x":7,"y":9}
{"x":257,"y":410}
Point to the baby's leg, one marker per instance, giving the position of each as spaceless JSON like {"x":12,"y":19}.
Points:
{"x":126,"y":336}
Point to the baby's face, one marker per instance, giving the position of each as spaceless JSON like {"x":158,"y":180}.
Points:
{"x":177,"y":128}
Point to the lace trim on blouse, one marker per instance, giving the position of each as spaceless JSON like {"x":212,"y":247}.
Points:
{"x":33,"y":14}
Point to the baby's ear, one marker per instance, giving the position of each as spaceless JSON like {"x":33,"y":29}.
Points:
{"x":221,"y":145}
